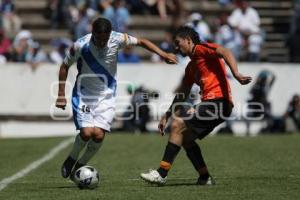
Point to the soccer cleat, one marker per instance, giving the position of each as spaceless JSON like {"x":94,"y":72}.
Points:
{"x":153,"y":177}
{"x":67,"y":166}
{"x":209,"y":181}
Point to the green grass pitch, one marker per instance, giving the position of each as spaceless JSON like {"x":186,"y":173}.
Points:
{"x":264,"y":167}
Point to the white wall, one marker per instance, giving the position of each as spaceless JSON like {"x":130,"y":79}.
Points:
{"x":25,"y":92}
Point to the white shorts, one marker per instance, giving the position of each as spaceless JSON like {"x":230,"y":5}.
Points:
{"x":99,"y":113}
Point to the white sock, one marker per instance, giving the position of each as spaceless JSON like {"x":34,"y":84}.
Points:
{"x":79,"y":144}
{"x":91,"y":150}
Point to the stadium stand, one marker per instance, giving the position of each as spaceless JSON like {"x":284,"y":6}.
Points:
{"x":275,"y":18}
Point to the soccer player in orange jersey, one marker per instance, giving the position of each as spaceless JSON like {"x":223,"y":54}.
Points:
{"x":206,"y":69}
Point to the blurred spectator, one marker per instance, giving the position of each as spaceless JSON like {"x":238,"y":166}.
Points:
{"x":74,"y":7}
{"x":259,"y":97}
{"x":197,"y":22}
{"x":11,"y":21}
{"x":255,"y":42}
{"x":228,"y":37}
{"x":128,"y":56}
{"x":141,"y":6}
{"x":294,"y":34}
{"x":295,"y":18}
{"x":117,"y":14}
{"x":176,"y":9}
{"x":83,"y":25}
{"x":61,"y":45}
{"x":246,"y":20}
{"x":166,"y":45}
{"x":294,"y":46}
{"x":5,"y":47}
{"x":56,"y":12}
{"x":80,"y":13}
{"x":292,"y":115}
{"x":138,"y":113}
{"x":94,"y":5}
{"x":224,"y":3}
{"x":21,"y":46}
{"x":35,"y":55}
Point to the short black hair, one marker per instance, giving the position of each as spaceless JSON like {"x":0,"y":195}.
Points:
{"x":101,"y":25}
{"x":185,"y":32}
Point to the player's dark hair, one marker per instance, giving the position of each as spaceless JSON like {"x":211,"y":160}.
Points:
{"x":101,"y":25}
{"x":185,"y":32}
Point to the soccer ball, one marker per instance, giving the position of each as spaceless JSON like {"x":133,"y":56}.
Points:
{"x":86,"y":177}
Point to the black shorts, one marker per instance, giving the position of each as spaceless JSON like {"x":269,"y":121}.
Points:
{"x":208,"y":115}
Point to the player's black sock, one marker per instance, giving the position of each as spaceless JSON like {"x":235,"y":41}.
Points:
{"x":171,"y":152}
{"x":195,"y":156}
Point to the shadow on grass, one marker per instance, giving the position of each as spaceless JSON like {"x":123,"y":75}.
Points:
{"x":177,"y":182}
{"x":66,"y":187}
{"x":62,"y":187}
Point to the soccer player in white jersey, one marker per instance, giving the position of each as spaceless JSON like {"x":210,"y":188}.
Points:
{"x":93,"y":98}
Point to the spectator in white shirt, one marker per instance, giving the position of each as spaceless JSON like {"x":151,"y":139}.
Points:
{"x":228,"y":37}
{"x":35,"y":56}
{"x":246,"y":20}
{"x":197,"y":22}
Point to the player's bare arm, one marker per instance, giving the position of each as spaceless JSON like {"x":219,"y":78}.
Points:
{"x":230,"y":61}
{"x":181,"y":95}
{"x":168,"y":57}
{"x":61,"y":101}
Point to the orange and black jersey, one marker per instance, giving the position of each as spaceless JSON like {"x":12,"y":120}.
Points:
{"x":207,"y":70}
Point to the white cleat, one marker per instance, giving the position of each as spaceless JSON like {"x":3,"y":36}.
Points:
{"x":153,"y":177}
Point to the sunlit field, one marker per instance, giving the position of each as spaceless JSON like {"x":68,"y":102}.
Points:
{"x":263,"y":167}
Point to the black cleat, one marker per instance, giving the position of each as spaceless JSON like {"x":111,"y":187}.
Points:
{"x":67,"y":166}
{"x":209,"y":181}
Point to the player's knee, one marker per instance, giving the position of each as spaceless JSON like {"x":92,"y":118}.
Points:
{"x":188,"y":140}
{"x":98,"y":134}
{"x":186,"y":144}
{"x":177,"y":123}
{"x":86,"y":133}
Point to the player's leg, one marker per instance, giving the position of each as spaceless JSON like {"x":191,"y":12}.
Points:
{"x":93,"y":146}
{"x":172,"y":149}
{"x":206,"y":117}
{"x":194,"y":154}
{"x":80,"y":142}
{"x":102,"y":117}
{"x":173,"y":146}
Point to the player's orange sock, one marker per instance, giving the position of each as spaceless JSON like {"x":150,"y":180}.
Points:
{"x":165,"y":165}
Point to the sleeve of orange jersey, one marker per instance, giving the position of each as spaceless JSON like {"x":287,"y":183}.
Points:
{"x":206,"y":50}
{"x":188,"y":78}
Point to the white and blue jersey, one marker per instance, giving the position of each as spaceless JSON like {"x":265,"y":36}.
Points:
{"x":94,"y":92}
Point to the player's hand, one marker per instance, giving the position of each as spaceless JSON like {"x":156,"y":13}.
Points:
{"x":162,"y":125}
{"x":244,"y":80}
{"x":191,"y":111}
{"x":61,"y":102}
{"x":170,"y":58}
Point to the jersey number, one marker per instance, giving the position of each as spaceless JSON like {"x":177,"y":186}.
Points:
{"x":85,"y":109}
